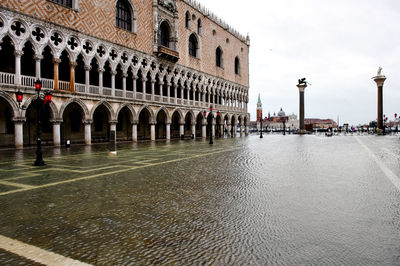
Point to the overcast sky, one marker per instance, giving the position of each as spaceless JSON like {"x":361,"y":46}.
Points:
{"x":337,"y":45}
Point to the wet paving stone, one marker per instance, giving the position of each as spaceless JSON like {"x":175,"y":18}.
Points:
{"x":282,"y":200}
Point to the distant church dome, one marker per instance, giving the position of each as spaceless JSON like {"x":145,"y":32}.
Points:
{"x":281,"y":113}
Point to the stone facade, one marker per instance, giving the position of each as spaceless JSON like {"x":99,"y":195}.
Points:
{"x":134,"y":73}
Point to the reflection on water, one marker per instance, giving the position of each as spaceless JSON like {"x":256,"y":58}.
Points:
{"x":293,"y":200}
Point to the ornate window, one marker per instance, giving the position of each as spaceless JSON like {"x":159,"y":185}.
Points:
{"x":193,"y":45}
{"x":124,"y":15}
{"x":218,"y":57}
{"x":187,"y":20}
{"x":164,"y":34}
{"x":237,"y":66}
{"x":66,"y":3}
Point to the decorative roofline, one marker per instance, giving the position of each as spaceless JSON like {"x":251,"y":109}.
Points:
{"x":206,"y":12}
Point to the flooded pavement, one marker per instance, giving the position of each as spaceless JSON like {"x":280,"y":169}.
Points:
{"x":280,"y":200}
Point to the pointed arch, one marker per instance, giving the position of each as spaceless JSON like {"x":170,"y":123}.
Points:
{"x":108,"y":107}
{"x":152,"y":119}
{"x":11,"y":102}
{"x":78,"y":102}
{"x":166,"y":113}
{"x":53,"y":108}
{"x":132,"y":114}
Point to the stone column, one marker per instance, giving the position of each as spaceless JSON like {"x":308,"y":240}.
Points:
{"x":182,"y":96}
{"x":161,"y":91}
{"x":113,"y":73}
{"x":175,"y":93}
{"x":144,"y":88}
{"x":153,"y":82}
{"x":124,"y":76}
{"x":380,"y":80}
{"x":194,"y":97}
{"x":56,"y":132}
{"x":204,"y":129}
{"x":134,"y":132}
{"x":88,"y":132}
{"x":246,"y":130}
{"x":18,"y":54}
{"x":229,"y":127}
{"x":113,"y":131}
{"x":153,"y":131}
{"x":168,"y":92}
{"x":38,"y":59}
{"x":134,"y":86}
{"x":72,"y":66}
{"x":19,"y":132}
{"x":56,"y":62}
{"x":194,"y":130}
{"x":302,"y":88}
{"x":87,"y":77}
{"x":241,"y":129}
{"x":101,"y":71}
{"x":181,"y":129}
{"x":168,"y":130}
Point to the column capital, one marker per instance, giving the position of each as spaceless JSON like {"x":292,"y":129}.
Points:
{"x":87,"y":122}
{"x":100,"y":70}
{"x":56,"y":60}
{"x":301,"y":87}
{"x":134,"y":122}
{"x":113,"y":73}
{"x":153,"y":81}
{"x":56,"y":121}
{"x":73,"y":64}
{"x":380,"y":80}
{"x":19,"y":120}
{"x":113,"y":122}
{"x":38,"y":57}
{"x":124,"y":75}
{"x":18,"y":52}
{"x":87,"y":68}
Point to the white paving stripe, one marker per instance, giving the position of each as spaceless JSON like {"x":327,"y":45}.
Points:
{"x":389,"y":174}
{"x":36,"y":254}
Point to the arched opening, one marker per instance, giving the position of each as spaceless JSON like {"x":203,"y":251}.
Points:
{"x":7,"y":62}
{"x":129,"y":80}
{"x":80,"y":70}
{"x":94,"y":73}
{"x":190,"y":91}
{"x":32,"y":121}
{"x":139,"y":82}
{"x":6,"y":124}
{"x":46,"y":64}
{"x":64,"y":68}
{"x":164,"y":34}
{"x":233,"y":126}
{"x":218,"y":57}
{"x":148,"y":83}
{"x":185,"y":90}
{"x":118,"y":78}
{"x":72,"y":127}
{"x":188,"y":124}
{"x":28,"y":64}
{"x":100,"y":125}
{"x":187,"y":19}
{"x":123,"y":15}
{"x":193,"y":45}
{"x":199,"y":26}
{"x":199,"y":124}
{"x":218,"y":130}
{"x":161,"y":131}
{"x":175,"y":124}
{"x":237,"y":66}
{"x":124,"y":128}
{"x":143,"y":127}
{"x":179,"y":90}
{"x":107,"y":75}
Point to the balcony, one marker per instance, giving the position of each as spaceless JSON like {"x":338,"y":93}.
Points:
{"x":167,"y":53}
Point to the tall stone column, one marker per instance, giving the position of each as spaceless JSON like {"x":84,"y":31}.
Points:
{"x":194,"y":130}
{"x":88,"y":132}
{"x":101,"y":71}
{"x":302,"y":87}
{"x":124,"y":76}
{"x":168,"y":130}
{"x":169,"y":92}
{"x":87,"y":78}
{"x":241,"y":129}
{"x":134,"y":132}
{"x":72,"y":66}
{"x":153,"y":131}
{"x":38,"y":59}
{"x":134,"y":85}
{"x":113,"y":131}
{"x":181,"y":129}
{"x":153,"y":83}
{"x":19,"y":132}
{"x":229,"y":129}
{"x":56,"y":63}
{"x":56,"y":133}
{"x":380,"y":80}
{"x":144,"y":88}
{"x":18,"y":54}
{"x":175,"y":93}
{"x":204,"y":130}
{"x":113,"y":73}
{"x":247,"y":130}
{"x":161,"y":91}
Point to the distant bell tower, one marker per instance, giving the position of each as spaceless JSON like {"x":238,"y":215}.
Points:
{"x":259,"y":112}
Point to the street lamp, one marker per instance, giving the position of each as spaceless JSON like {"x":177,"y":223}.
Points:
{"x":47,"y":99}
{"x":261,"y":135}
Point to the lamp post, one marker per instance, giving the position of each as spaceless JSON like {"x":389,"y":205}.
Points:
{"x":261,"y":135}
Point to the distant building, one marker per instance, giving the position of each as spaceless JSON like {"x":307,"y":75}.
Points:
{"x":277,"y":121}
{"x":316,"y":123}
